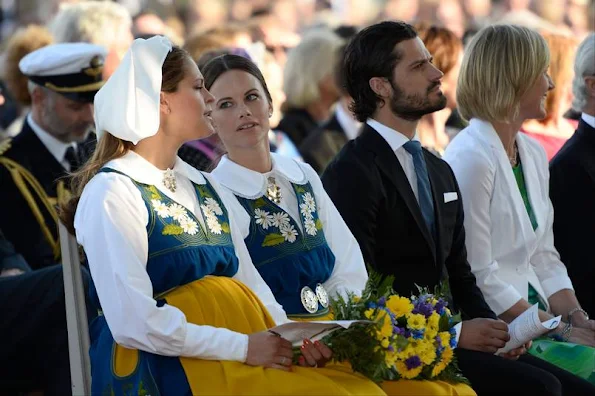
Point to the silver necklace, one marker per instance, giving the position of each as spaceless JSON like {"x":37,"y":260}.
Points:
{"x":273,"y":190}
{"x":169,"y":180}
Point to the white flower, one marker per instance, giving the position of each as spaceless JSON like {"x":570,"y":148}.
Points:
{"x":310,"y":227}
{"x":161,"y":208}
{"x":263,"y":218}
{"x":214,"y":225}
{"x":178,"y":212}
{"x":213,"y":206}
{"x":280,"y":219}
{"x":207,"y":211}
{"x":306,"y":212}
{"x":309,"y":201}
{"x":288,"y":232}
{"x":188,"y":225}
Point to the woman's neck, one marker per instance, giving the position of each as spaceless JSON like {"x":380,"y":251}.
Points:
{"x":158,"y":150}
{"x":256,"y":158}
{"x":432,"y":129}
{"x":507,"y":133}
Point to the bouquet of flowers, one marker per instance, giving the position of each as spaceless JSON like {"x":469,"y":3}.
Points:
{"x":409,"y":338}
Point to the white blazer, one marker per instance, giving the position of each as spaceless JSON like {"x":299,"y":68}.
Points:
{"x":504,"y":252}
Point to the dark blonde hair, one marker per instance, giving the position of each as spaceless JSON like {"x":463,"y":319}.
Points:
{"x":443,"y":44}
{"x":110,"y":147}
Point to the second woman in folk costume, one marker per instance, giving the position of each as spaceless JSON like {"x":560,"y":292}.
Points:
{"x":164,"y":252}
{"x":296,"y":238}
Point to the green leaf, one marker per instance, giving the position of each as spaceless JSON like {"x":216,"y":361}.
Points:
{"x":318,"y":224}
{"x":300,"y":190}
{"x":273,"y":240}
{"x":172,"y":229}
{"x":225,"y":228}
{"x":204,"y":192}
{"x":259,"y":203}
{"x":154,"y":192}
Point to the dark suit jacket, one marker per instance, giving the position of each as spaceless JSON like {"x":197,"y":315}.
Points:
{"x":297,"y":124}
{"x":572,"y":191}
{"x":371,"y":191}
{"x":321,"y":146}
{"x":16,"y":218}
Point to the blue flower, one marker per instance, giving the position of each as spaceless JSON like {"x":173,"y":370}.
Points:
{"x":453,"y":342}
{"x":371,"y":305}
{"x":413,"y":362}
{"x":418,"y":334}
{"x":390,"y":348}
{"x":381,"y":301}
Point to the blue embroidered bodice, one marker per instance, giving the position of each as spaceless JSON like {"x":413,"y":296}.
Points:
{"x":180,"y":251}
{"x":287,"y":257}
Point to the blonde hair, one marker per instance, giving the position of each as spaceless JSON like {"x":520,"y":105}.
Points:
{"x":23,"y":42}
{"x":96,"y":22}
{"x":583,"y":67}
{"x":307,"y":65}
{"x":501,"y":63}
{"x":562,"y":49}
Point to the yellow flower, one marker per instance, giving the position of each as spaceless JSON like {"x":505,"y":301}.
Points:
{"x":447,"y":355}
{"x":399,"y":306}
{"x":434,"y":321}
{"x":384,"y":343}
{"x":387,"y":325}
{"x":445,"y":360}
{"x":444,"y":338}
{"x":390,"y":359}
{"x":405,"y":373}
{"x":416,"y":321}
{"x":447,"y":311}
{"x":427,"y":354}
{"x":434,"y":301}
{"x":369,"y":313}
{"x":355,"y":299}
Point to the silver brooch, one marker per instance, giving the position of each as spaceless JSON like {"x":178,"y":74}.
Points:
{"x":169,"y":180}
{"x":322,"y":295}
{"x":273,"y":190}
{"x":309,"y":300}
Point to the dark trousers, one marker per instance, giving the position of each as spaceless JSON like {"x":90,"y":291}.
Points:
{"x":527,"y":376}
{"x":33,"y":334}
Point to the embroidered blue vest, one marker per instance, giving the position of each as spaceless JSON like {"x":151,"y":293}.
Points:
{"x":180,"y":252}
{"x":288,"y":258}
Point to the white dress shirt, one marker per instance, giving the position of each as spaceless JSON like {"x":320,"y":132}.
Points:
{"x":504,"y":251}
{"x":350,"y":125}
{"x":589,"y":119}
{"x":349,"y":273}
{"x":396,"y":140}
{"x":56,"y":147}
{"x":110,"y":224}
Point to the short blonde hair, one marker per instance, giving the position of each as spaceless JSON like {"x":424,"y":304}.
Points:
{"x":307,"y":65}
{"x":501,"y":63}
{"x":96,"y":22}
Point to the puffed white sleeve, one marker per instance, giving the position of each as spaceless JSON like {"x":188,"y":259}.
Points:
{"x":247,"y":272}
{"x":475,"y":175}
{"x":110,"y":224}
{"x":349,"y":273}
{"x":546,"y":262}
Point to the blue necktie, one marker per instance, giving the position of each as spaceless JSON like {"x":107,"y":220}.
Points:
{"x":424,"y":192}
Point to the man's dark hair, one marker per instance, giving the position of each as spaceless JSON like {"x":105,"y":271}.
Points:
{"x":370,"y":53}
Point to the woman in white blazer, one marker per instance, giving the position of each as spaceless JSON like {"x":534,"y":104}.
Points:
{"x":503,"y":176}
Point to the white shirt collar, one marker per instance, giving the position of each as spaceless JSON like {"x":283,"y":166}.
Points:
{"x":394,"y":138}
{"x":143,"y":171}
{"x":251,"y":184}
{"x":589,"y":119}
{"x":350,"y":125}
{"x":56,"y":147}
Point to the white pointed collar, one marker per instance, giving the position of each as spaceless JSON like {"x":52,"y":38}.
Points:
{"x":251,"y":184}
{"x":143,"y":171}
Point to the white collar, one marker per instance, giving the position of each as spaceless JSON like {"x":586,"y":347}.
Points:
{"x":394,"y":138}
{"x":350,"y":125}
{"x":589,"y":119}
{"x":143,"y":171}
{"x":56,"y":147}
{"x":251,"y":184}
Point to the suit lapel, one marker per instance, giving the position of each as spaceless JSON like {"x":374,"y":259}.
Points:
{"x":389,"y":164}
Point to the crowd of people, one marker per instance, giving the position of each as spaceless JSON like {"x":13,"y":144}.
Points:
{"x":229,"y":166}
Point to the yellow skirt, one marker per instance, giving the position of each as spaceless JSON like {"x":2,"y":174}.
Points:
{"x":403,"y":387}
{"x":224,"y":302}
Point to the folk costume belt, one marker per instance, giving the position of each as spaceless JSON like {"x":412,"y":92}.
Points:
{"x":311,"y":299}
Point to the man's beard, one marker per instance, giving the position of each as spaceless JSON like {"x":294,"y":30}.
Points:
{"x":413,"y":107}
{"x":64,"y":131}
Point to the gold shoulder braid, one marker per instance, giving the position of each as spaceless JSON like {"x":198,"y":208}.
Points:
{"x":28,"y":186}
{"x":5,"y":145}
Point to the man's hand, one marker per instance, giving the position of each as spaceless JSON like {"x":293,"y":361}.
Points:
{"x":514,"y":354}
{"x":11,"y":272}
{"x":484,"y":335}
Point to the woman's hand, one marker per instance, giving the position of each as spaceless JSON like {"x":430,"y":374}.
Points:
{"x":582,"y":336}
{"x":314,"y":354}
{"x":269,"y":350}
{"x":514,"y":354}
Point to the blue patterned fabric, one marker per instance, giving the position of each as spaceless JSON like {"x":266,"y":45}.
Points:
{"x":179,"y":253}
{"x":286,"y":257}
{"x":424,"y":191}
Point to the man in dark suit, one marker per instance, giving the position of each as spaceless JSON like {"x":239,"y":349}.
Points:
{"x":55,"y":139}
{"x":572,"y":184}
{"x":402,"y":204}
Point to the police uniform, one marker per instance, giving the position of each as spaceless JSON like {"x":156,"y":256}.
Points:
{"x":34,"y":163}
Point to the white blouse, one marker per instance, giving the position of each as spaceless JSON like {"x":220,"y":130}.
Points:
{"x":110,"y":224}
{"x":349,"y":273}
{"x":504,"y":251}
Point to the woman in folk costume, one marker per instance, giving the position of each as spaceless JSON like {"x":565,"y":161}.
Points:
{"x":164,"y":252}
{"x":296,"y":237}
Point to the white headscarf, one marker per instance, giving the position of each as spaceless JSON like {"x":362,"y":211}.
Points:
{"x":127,"y":106}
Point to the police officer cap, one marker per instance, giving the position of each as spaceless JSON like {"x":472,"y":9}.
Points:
{"x":71,"y":69}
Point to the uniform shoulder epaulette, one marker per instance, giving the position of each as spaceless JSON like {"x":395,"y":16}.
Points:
{"x":5,"y":145}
